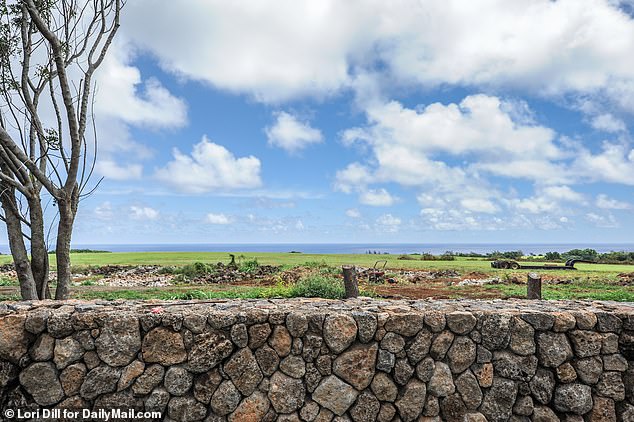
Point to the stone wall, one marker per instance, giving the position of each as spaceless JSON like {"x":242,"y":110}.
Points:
{"x":317,"y":360}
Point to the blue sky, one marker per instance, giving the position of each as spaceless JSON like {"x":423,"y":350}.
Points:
{"x":362,"y":121}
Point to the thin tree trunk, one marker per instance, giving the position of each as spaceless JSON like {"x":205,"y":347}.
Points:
{"x":39,"y":252}
{"x":62,"y":252}
{"x":20,"y":255}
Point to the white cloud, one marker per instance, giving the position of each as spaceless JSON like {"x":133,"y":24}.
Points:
{"x":143,"y":213}
{"x":210,"y":167}
{"x":284,"y":49}
{"x":607,"y":203}
{"x":479,"y":205}
{"x":608,"y":123}
{"x":115,"y":171}
{"x":221,"y":219}
{"x":291,"y":134}
{"x":388,"y":223}
{"x":615,"y":164}
{"x":604,"y":221}
{"x":104,"y":211}
{"x":354,"y":176}
{"x":353,"y":213}
{"x":376,"y":198}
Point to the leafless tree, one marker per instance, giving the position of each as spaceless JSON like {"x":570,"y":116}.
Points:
{"x":49,"y":52}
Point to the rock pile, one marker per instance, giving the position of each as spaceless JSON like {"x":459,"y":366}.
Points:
{"x":317,"y":360}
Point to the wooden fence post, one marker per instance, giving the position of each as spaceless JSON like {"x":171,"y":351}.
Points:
{"x":534,"y":286}
{"x":350,"y":281}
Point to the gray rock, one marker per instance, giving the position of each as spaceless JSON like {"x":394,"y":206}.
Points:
{"x":553,"y":349}
{"x":410,"y":404}
{"x":253,"y":408}
{"x":186,"y":409}
{"x":539,"y":320}
{"x":298,"y":345}
{"x":99,"y":381}
{"x":441,"y":382}
{"x":36,"y":321}
{"x":403,"y":371}
{"x":258,"y":335}
{"x":385,"y":361}
{"x":585,"y":320}
{"x":205,"y":385}
{"x":356,"y":365}
{"x":522,"y":337}
{"x":244,"y":371}
{"x":586,"y":343}
{"x":120,"y":340}
{"x":432,"y":406}
{"x":59,"y":324}
{"x":150,"y":378}
{"x":542,"y":386}
{"x":407,"y":324}
{"x":297,"y":324}
{"x":498,"y":401}
{"x":383,"y":387}
{"x":611,"y":385}
{"x":285,"y":393}
{"x":468,"y":387}
{"x":483,"y":355}
{"x":8,"y":373}
{"x":452,"y":408}
{"x":208,"y":350}
{"x":462,"y":354}
{"x":615,"y":362}
{"x":293,"y":366}
{"x":564,"y":321}
{"x":589,"y":369}
{"x":392,"y":342}
{"x":367,"y":324}
{"x":123,"y":400}
{"x":281,"y":341}
{"x":608,"y":322}
{"x":495,"y":330}
{"x":484,"y":374}
{"x":425,"y":369}
{"x":419,"y":348}
{"x":387,"y":412}
{"x":195,"y":322}
{"x":366,"y":408}
{"x":225,"y":399}
{"x":544,"y":414}
{"x":41,"y":382}
{"x":164,"y":346}
{"x":178,"y":381}
{"x":43,"y":348}
{"x":157,"y":400}
{"x":335,"y":395}
{"x":67,"y":351}
{"x":460,"y":322}
{"x":524,"y":406}
{"x":312,"y":377}
{"x":575,"y":398}
{"x":324,"y":365}
{"x":339,"y":332}
{"x":129,"y":374}
{"x":610,"y":344}
{"x":435,"y":321}
{"x":267,"y":359}
{"x":309,"y":411}
{"x":441,"y":344}
{"x":239,"y":335}
{"x":566,"y":373}
{"x":519,"y":368}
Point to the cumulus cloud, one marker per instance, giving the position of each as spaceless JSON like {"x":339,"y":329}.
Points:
{"x":115,"y":171}
{"x":388,"y":223}
{"x":281,"y":50}
{"x":605,"y":202}
{"x":606,"y":221}
{"x":291,"y":134}
{"x":376,"y":198}
{"x":608,"y":123}
{"x":210,"y":167}
{"x":353,"y":213}
{"x":220,"y":219}
{"x":143,"y":213}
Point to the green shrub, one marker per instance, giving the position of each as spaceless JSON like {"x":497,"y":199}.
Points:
{"x":318,"y":286}
{"x":196,"y":269}
{"x":249,"y":266}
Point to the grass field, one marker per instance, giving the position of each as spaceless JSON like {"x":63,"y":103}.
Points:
{"x":590,"y":281}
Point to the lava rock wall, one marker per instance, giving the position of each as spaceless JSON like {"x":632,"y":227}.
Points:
{"x":317,"y":360}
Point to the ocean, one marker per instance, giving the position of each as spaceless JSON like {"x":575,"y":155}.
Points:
{"x":356,"y":248}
